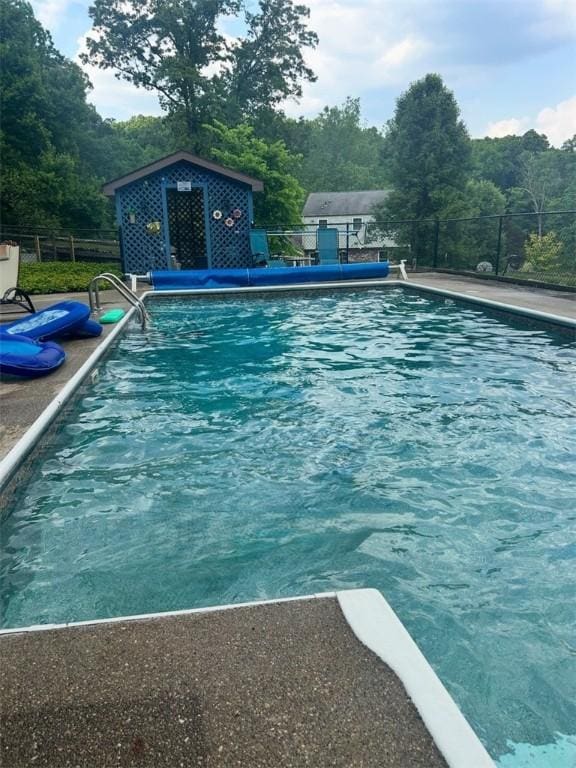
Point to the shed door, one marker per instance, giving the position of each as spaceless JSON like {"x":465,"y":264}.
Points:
{"x":187,"y":228}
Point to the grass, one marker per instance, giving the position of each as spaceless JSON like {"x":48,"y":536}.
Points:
{"x":61,"y":276}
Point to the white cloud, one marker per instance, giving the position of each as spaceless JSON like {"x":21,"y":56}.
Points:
{"x":558,"y":123}
{"x":50,"y":12}
{"x":512,"y":126}
{"x":402,"y":53}
{"x":118,"y":98}
{"x":566,"y":8}
{"x":560,"y":16}
{"x":111,"y":97}
{"x":363,"y":45}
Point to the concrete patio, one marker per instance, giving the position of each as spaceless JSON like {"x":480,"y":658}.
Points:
{"x":275,"y":685}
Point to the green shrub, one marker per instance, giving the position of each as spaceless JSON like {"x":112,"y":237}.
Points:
{"x":61,"y":276}
{"x":542,"y":252}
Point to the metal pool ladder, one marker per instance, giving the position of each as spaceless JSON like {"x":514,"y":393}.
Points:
{"x":123,"y":290}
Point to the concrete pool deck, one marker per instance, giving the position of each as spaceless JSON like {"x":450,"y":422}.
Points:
{"x":272,"y":684}
{"x":560,"y":303}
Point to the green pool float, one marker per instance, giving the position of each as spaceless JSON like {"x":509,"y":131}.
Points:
{"x":112,"y":316}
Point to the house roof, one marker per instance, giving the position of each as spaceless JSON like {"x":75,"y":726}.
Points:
{"x":158,"y":165}
{"x":343,"y":203}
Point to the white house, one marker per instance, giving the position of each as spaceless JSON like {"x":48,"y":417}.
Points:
{"x":351,"y":213}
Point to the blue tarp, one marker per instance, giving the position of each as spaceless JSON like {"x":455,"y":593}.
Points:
{"x":178,"y":280}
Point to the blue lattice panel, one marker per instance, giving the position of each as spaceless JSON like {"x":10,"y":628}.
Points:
{"x":230,"y":245}
{"x":144,"y":230}
{"x":140,"y":206}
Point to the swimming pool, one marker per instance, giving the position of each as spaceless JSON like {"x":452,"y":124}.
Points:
{"x":268,"y":447}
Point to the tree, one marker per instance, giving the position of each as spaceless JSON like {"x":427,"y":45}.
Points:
{"x":273,"y":125}
{"x":142,"y":139}
{"x":543,"y":251}
{"x":266,"y":66}
{"x":544,"y":181}
{"x":428,"y":154}
{"x":165,"y":47}
{"x":428,"y":151}
{"x":534,"y":142}
{"x":473,"y":239}
{"x":547,"y":184}
{"x":342,"y":154}
{"x":498,"y":161}
{"x":535,"y":186}
{"x":52,"y":142}
{"x":281,"y":202}
{"x":175,"y":48}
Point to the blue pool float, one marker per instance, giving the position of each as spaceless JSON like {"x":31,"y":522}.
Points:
{"x":21,"y":356}
{"x":66,"y":319}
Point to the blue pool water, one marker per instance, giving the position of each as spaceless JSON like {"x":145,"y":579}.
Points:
{"x":257,"y":448}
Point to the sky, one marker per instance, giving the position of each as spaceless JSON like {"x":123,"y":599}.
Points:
{"x":510,"y":63}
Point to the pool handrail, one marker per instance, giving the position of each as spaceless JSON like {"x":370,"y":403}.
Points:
{"x":123,"y":290}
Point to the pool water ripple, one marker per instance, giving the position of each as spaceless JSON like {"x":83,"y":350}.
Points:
{"x":246,"y":449}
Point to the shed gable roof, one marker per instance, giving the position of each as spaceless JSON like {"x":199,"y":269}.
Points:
{"x":158,"y":165}
{"x":343,"y":203}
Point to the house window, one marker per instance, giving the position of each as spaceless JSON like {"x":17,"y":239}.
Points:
{"x":322,"y":223}
{"x":356,"y":224}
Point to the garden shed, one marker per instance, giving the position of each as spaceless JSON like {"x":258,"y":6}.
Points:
{"x":183,"y":212}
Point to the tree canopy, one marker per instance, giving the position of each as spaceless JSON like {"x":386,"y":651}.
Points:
{"x":223,"y":98}
{"x":177,"y":50}
{"x":341,"y":153}
{"x":52,"y":142}
{"x":428,"y":153}
{"x":283,"y":197}
{"x":266,"y":65}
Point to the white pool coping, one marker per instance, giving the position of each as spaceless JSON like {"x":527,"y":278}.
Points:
{"x":514,"y":309}
{"x":379,"y":629}
{"x":375,"y":624}
{"x":374,"y":282}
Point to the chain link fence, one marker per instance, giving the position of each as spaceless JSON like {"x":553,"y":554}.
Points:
{"x":534,"y":247}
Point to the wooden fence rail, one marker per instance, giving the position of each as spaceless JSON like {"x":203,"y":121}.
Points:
{"x":42,"y":246}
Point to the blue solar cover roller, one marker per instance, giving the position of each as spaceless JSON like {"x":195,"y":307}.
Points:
{"x":21,"y":356}
{"x":175,"y":280}
{"x":66,"y":318}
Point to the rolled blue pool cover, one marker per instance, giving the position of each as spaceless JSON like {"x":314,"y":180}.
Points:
{"x":175,"y":280}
